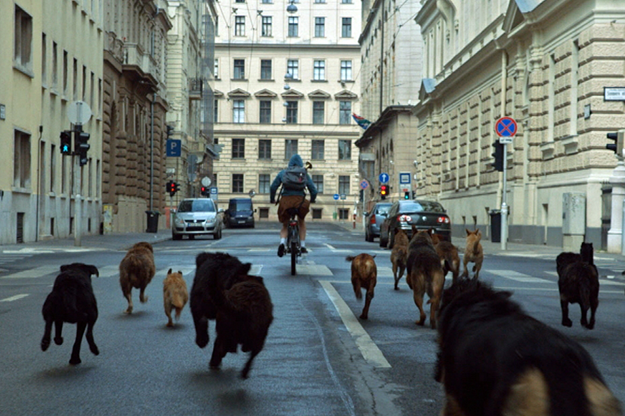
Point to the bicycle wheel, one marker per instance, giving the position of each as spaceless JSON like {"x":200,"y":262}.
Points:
{"x":294,"y":242}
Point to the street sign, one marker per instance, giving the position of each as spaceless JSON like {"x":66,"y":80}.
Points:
{"x":383,"y":177}
{"x":505,"y":140}
{"x":213,"y":193}
{"x":343,"y":197}
{"x":79,"y":113}
{"x":405,"y":178}
{"x":364,"y":184}
{"x":506,"y":127}
{"x":206,"y":181}
{"x":174,"y":148}
{"x":336,"y":197}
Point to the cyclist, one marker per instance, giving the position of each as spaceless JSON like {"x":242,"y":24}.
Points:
{"x":293,"y":196}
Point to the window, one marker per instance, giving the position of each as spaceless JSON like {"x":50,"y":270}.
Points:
{"x":292,"y":68}
{"x":291,"y":112}
{"x":343,"y":213}
{"x":320,"y":27}
{"x":290,"y":148}
{"x":343,"y":185}
{"x":21,"y":160}
{"x":346,"y":28}
{"x":318,"y":149}
{"x":345,"y":112}
{"x":266,"y":27}
{"x":265,"y":112}
{"x":345,"y":149}
{"x":318,"y":112}
{"x":346,"y":1}
{"x":44,"y":59}
{"x":239,"y":26}
{"x":237,"y":182}
{"x":319,"y":70}
{"x":23,"y":39}
{"x":84,"y":83}
{"x":239,"y":69}
{"x":52,"y":167}
{"x":318,"y":181}
{"x":55,"y":62}
{"x":320,"y":1}
{"x":239,"y":111}
{"x":293,"y":23}
{"x":267,"y":1}
{"x":263,"y":183}
{"x":239,"y":1}
{"x":265,"y":69}
{"x":75,"y":80}
{"x":216,"y":112}
{"x":65,"y":71}
{"x":346,"y":70}
{"x":264,"y":149}
{"x":216,"y":69}
{"x":238,"y":148}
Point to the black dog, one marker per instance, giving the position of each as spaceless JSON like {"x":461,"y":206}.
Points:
{"x":71,"y":300}
{"x":218,"y":266}
{"x":494,"y":359}
{"x":578,"y":282}
{"x":244,"y":313}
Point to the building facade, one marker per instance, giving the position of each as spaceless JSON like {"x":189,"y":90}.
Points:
{"x":286,"y":82}
{"x":51,"y":58}
{"x":547,"y":65}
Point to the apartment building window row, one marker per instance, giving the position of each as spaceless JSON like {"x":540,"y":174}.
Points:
{"x":264,"y":183}
{"x":292,"y":69}
{"x":291,"y":148}
{"x":292,"y":112}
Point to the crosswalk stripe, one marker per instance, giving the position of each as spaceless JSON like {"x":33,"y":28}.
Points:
{"x":108,"y":271}
{"x":313,"y":270}
{"x":33,"y":273}
{"x":13,"y":298}
{"x":519,"y":277}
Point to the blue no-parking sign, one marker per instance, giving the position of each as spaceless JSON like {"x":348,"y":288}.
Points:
{"x":506,"y":127}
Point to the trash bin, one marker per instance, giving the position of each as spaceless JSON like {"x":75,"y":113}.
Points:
{"x":152,"y":221}
{"x":495,"y":225}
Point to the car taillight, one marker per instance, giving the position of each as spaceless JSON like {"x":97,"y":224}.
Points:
{"x":443,"y":220}
{"x":372,"y":221}
{"x":404,"y":218}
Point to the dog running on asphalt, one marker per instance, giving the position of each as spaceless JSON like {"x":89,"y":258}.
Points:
{"x":137,"y":270}
{"x":494,"y":359}
{"x":364,"y":276}
{"x":175,"y":294}
{"x":425,"y":274}
{"x":450,"y":260}
{"x":72,"y":301}
{"x":244,"y":314}
{"x":473,"y":253}
{"x":399,"y":255}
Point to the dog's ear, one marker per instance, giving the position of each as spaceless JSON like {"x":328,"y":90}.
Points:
{"x":468,"y":232}
{"x":179,"y":272}
{"x":245,"y":268}
{"x":94,"y":270}
{"x":64,"y":267}
{"x":169,"y":271}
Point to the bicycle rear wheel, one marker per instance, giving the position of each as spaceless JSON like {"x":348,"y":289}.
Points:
{"x":293,"y":258}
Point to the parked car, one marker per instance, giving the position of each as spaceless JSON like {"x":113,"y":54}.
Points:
{"x":240,"y":213}
{"x":197,"y":216}
{"x":422,"y":214}
{"x":374,"y":218}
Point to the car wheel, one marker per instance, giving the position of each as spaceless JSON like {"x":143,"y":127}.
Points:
{"x":176,"y":236}
{"x":383,"y":242}
{"x":369,"y":237}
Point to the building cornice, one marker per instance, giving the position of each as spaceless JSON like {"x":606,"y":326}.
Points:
{"x":382,"y":122}
{"x":260,"y":46}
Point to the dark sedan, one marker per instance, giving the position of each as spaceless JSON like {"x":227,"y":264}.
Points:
{"x":374,"y":218}
{"x":422,"y":214}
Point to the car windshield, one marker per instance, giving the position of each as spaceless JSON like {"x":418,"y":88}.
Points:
{"x":383,"y":209}
{"x":197,"y":206}
{"x":422,"y":206}
{"x":243,"y":206}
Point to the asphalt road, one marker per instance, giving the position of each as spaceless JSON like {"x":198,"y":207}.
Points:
{"x":319,"y":359}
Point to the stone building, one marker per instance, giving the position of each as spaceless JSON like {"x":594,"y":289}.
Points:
{"x":287,"y":81}
{"x":548,"y":65}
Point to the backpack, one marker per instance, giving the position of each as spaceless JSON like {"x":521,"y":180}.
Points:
{"x":294,"y":178}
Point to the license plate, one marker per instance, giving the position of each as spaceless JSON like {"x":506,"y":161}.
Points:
{"x":242,"y":222}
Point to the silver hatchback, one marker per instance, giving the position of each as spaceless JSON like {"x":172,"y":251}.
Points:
{"x":197,"y":216}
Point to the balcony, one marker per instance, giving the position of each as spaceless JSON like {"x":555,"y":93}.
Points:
{"x":196,"y":86}
{"x":139,"y":65}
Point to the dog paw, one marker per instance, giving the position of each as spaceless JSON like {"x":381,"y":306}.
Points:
{"x":202,"y":341}
{"x":75,"y":361}
{"x":128,"y":311}
{"x":58,"y":340}
{"x":45,"y":343}
{"x":567,"y":322}
{"x":94,"y":349}
{"x":143,"y":299}
{"x":363,"y":316}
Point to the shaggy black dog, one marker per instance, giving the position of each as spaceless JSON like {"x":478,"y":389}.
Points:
{"x":578,"y":282}
{"x":71,"y":300}
{"x":494,"y":359}
{"x":244,"y":313}
{"x":212,"y":266}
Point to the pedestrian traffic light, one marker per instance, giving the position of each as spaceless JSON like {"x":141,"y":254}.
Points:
{"x":81,"y":147}
{"x":383,"y":191}
{"x":406,"y":195}
{"x":170,"y":131}
{"x":617,"y":146}
{"x":204,"y":191}
{"x":171,"y":188}
{"x":66,"y":142}
{"x":498,"y":155}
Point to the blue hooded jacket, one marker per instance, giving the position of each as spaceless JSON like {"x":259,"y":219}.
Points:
{"x":296,"y":160}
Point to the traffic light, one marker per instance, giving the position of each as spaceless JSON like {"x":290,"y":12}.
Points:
{"x":498,"y":155}
{"x":617,"y":146}
{"x":204,"y":191}
{"x":81,"y":147}
{"x":383,"y":191}
{"x":406,"y":195}
{"x":172,"y":188}
{"x":170,"y":131}
{"x":66,"y":142}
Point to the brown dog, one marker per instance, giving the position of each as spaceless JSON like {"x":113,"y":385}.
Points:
{"x":425,"y":274}
{"x":399,"y":255}
{"x":450,"y":260}
{"x":137,"y":270}
{"x":473,"y":253}
{"x":175,"y":294}
{"x":364,"y":275}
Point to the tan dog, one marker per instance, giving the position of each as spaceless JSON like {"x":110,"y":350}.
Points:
{"x":450,"y":260}
{"x":175,"y":294}
{"x":473,"y":253}
{"x":364,"y":275}
{"x":425,"y":274}
{"x":137,"y":270}
{"x":399,"y":255}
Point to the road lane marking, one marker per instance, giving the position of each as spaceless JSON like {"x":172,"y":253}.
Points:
{"x":607,"y":281}
{"x":108,"y":271}
{"x":329,"y":246}
{"x":13,"y":298}
{"x":519,"y":277}
{"x":367,"y":347}
{"x":313,"y":270}
{"x":33,"y":273}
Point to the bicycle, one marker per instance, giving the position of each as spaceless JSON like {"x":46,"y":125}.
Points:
{"x":292,"y":239}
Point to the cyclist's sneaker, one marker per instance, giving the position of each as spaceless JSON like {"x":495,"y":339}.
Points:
{"x":303,"y":250}
{"x":281,"y":250}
